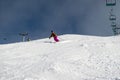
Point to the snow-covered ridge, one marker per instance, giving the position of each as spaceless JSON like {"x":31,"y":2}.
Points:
{"x":75,"y":57}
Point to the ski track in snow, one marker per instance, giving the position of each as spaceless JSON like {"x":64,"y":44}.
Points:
{"x":75,"y":57}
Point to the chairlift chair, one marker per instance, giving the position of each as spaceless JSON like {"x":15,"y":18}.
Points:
{"x":118,"y":28}
{"x":112,"y":17}
{"x":114,"y":30}
{"x":113,"y":24}
{"x":110,"y":2}
{"x":23,"y":34}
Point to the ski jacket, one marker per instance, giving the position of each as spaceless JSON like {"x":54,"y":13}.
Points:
{"x":53,"y":35}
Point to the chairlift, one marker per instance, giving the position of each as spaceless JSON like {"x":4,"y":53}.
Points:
{"x":23,"y":35}
{"x":113,"y":24}
{"x":114,"y":30}
{"x":118,"y":28}
{"x":110,"y":2}
{"x":112,"y":17}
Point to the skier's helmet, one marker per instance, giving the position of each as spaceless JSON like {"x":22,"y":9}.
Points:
{"x":51,"y":30}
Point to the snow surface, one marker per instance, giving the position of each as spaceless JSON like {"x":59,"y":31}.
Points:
{"x":75,"y":57}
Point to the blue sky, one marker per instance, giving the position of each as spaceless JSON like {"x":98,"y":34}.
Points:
{"x":39,"y":17}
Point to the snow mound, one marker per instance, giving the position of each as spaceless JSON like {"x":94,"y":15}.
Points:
{"x":75,"y":57}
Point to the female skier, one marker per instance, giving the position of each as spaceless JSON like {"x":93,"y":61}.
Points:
{"x":54,"y":36}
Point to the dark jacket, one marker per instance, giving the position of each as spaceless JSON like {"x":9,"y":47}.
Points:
{"x":53,"y":35}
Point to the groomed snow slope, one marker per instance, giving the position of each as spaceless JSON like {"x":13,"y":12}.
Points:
{"x":75,"y":57}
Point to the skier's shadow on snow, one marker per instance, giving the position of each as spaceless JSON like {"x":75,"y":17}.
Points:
{"x":48,"y":42}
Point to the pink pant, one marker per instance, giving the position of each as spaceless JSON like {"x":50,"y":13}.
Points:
{"x":56,"y":39}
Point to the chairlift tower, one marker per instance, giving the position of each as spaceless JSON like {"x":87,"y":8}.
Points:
{"x":112,"y":16}
{"x":23,"y":36}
